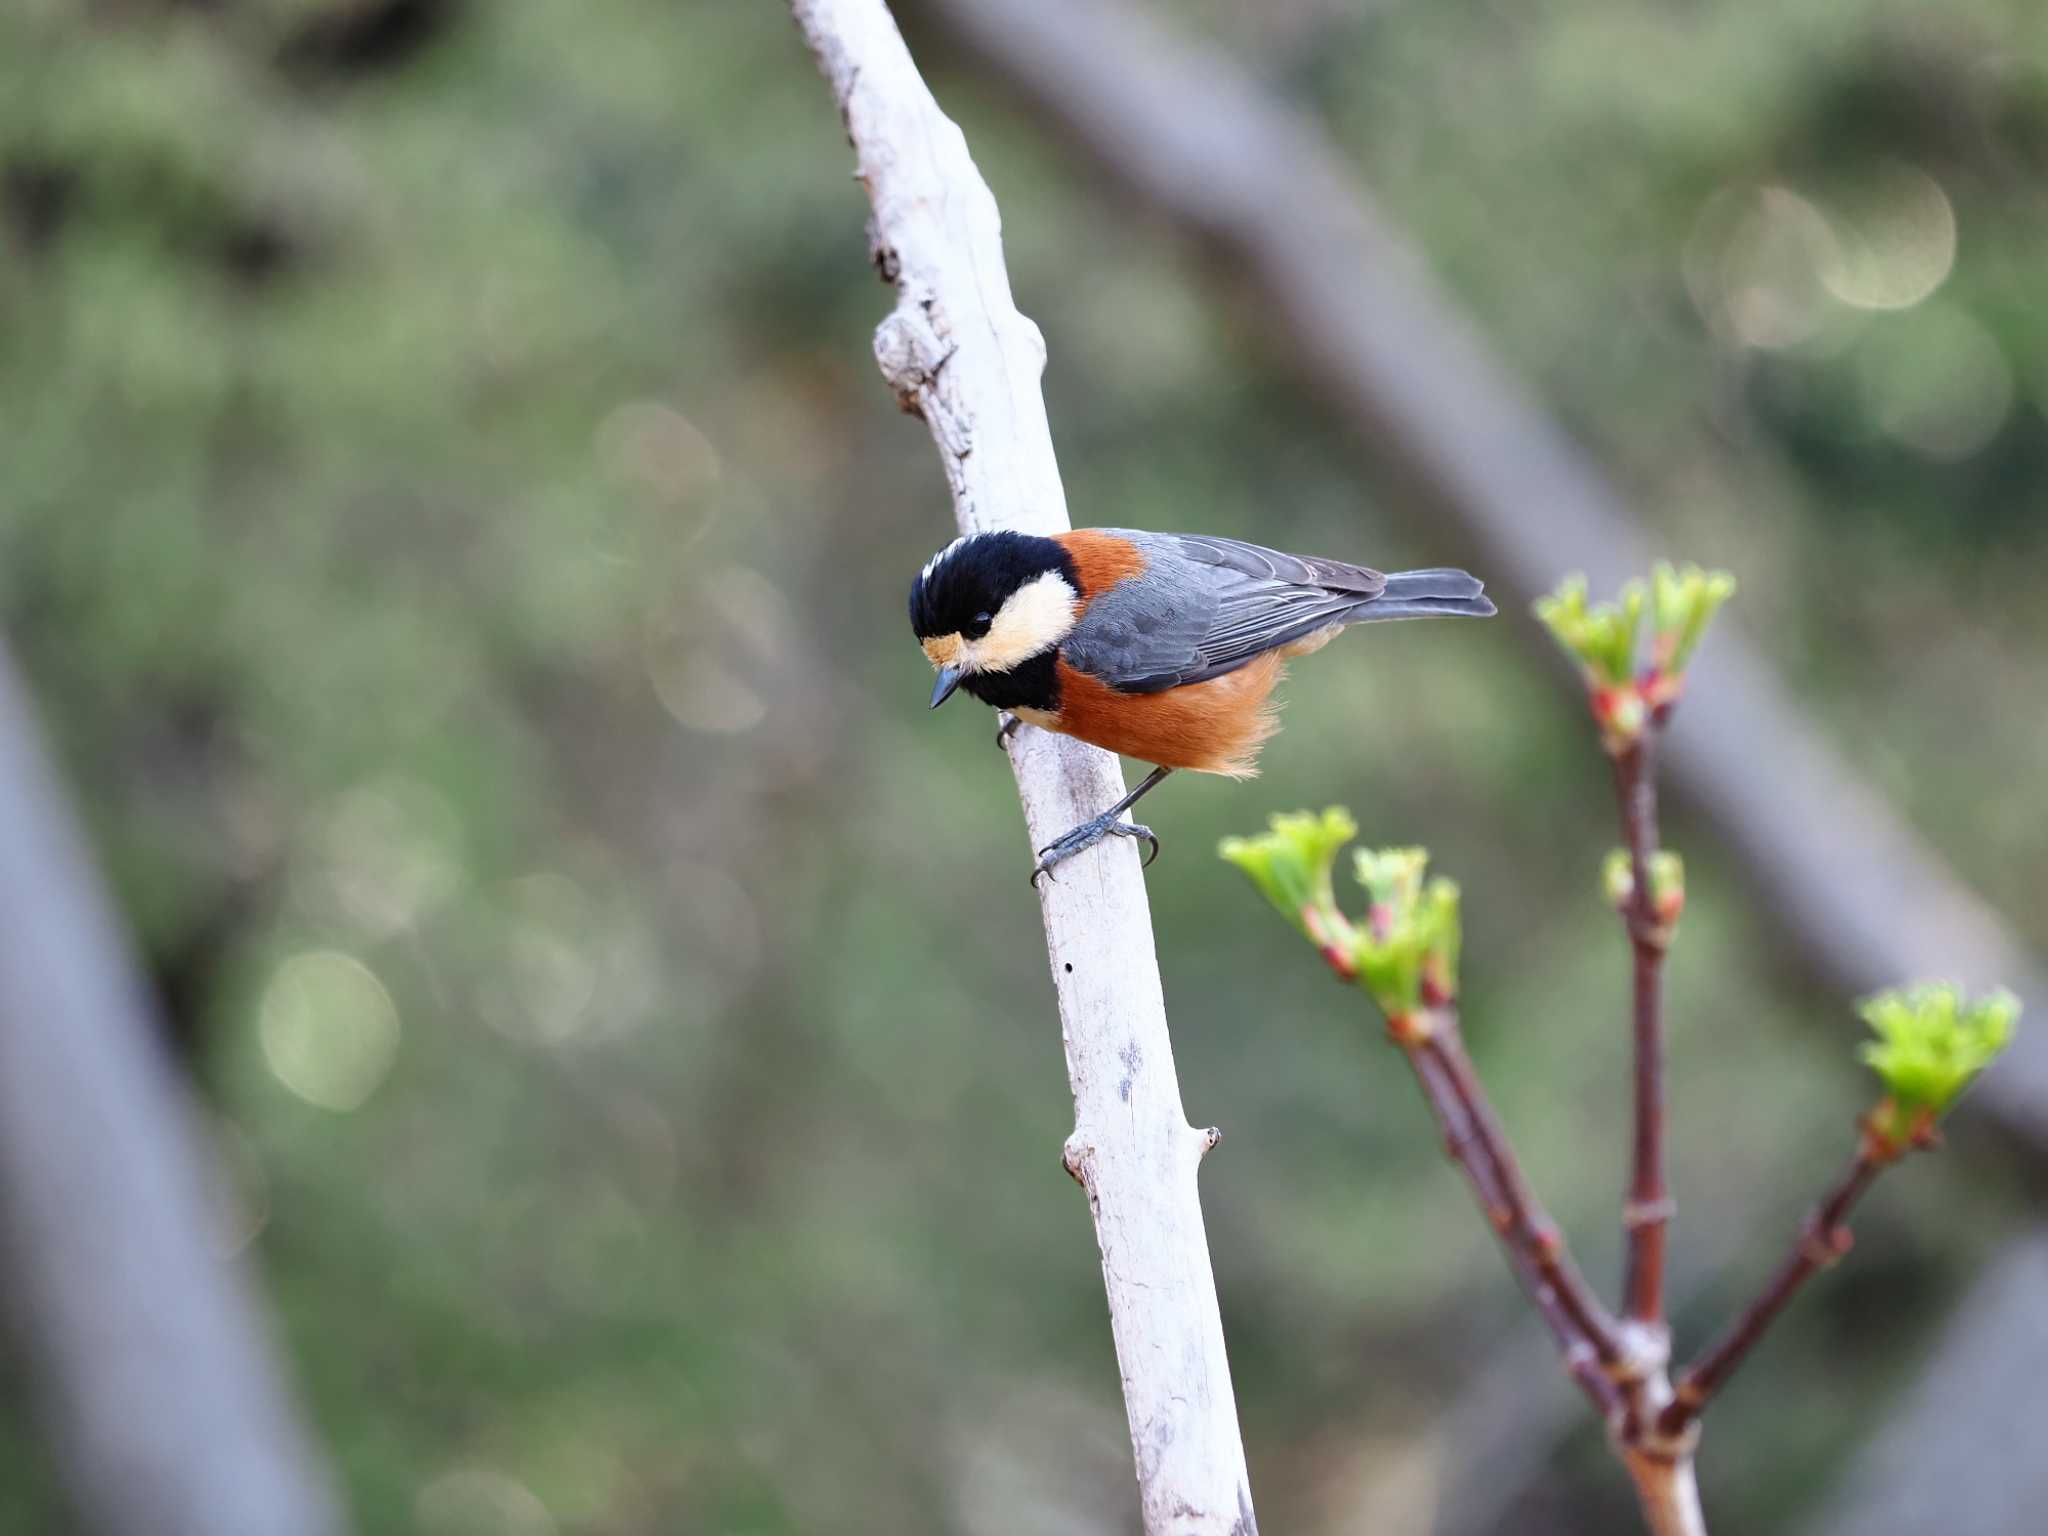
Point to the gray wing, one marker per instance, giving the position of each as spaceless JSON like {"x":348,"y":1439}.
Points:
{"x":1206,"y":606}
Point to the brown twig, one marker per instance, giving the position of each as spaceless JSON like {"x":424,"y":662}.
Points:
{"x":1822,"y":1240}
{"x":1530,"y":1226}
{"x":1475,"y":1140}
{"x":1646,"y":1216}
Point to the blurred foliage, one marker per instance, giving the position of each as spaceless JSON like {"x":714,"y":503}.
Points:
{"x":459,"y":544}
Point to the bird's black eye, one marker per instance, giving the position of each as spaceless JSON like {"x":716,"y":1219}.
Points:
{"x":979,"y":626}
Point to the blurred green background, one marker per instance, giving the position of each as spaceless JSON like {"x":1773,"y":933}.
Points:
{"x":458,"y":540}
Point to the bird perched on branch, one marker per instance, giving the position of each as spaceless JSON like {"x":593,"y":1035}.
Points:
{"x":1161,"y":646}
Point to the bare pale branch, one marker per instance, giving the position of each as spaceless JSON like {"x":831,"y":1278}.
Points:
{"x":958,"y":354}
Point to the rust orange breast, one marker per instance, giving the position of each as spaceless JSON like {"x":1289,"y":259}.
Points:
{"x":1216,"y":726}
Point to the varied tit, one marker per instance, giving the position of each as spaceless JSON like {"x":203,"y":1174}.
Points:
{"x":1160,"y":646}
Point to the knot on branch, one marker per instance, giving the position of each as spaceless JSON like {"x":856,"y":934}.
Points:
{"x":1028,"y":332}
{"x":1823,"y":1247}
{"x":1643,"y":1352}
{"x":910,"y":350}
{"x":1670,"y":1449}
{"x":1651,"y":938}
{"x":1647,"y":1213}
{"x":887,"y":263}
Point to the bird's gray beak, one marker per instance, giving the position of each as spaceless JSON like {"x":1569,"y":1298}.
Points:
{"x":942,"y":690}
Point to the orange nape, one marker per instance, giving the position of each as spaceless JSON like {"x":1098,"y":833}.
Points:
{"x":1216,"y":726}
{"x":1101,"y":560}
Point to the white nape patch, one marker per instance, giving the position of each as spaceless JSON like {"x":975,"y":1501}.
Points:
{"x":1034,"y":618}
{"x":939,"y":559}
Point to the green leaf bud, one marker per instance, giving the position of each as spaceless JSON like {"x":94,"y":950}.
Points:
{"x":1291,"y":864}
{"x":1600,"y":637}
{"x":1931,"y":1044}
{"x":1667,"y":887}
{"x":1618,"y":878}
{"x":1683,"y":602}
{"x":1392,"y":876}
{"x":1407,"y":951}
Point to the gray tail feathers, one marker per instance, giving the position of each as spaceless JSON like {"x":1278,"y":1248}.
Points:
{"x":1425,"y":594}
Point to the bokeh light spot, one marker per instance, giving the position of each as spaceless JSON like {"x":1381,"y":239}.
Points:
{"x":329,"y":1029}
{"x":1895,"y":239}
{"x":1753,"y":265}
{"x":655,"y":446}
{"x":750,"y":606}
{"x":388,"y":855}
{"x":1936,"y":382}
{"x":475,"y":1501}
{"x":540,"y":969}
{"x":699,"y":690}
{"x":691,"y":639}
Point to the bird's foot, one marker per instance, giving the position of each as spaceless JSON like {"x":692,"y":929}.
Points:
{"x":1010,"y":726}
{"x":1086,"y":836}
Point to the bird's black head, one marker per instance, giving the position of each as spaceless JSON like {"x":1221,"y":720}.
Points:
{"x":991,"y":603}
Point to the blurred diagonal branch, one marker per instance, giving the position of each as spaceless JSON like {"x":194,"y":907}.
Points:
{"x":961,"y":357}
{"x":1183,"y":127}
{"x":167,"y":1413}
{"x":1935,"y":1468}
